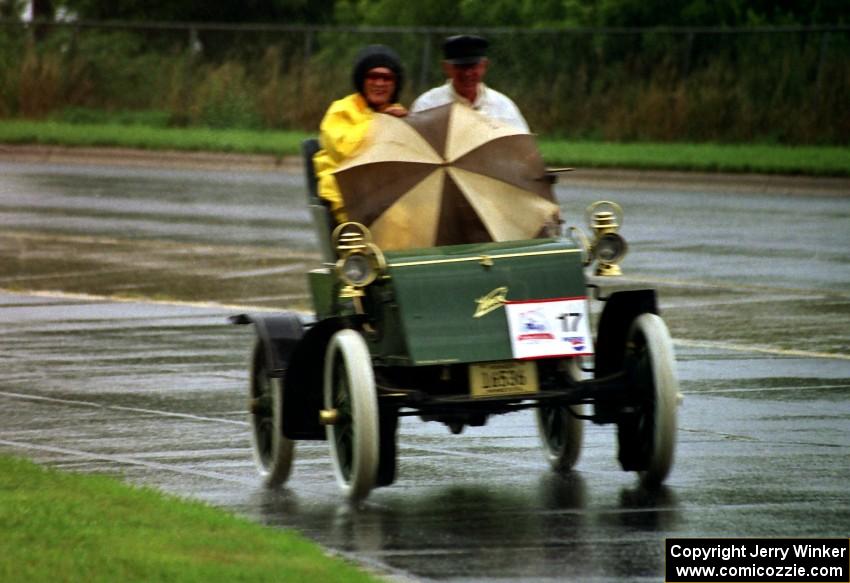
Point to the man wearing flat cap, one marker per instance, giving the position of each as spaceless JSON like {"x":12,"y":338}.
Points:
{"x":465,"y":62}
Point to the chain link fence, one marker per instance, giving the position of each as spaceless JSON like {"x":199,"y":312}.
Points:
{"x":777,"y":84}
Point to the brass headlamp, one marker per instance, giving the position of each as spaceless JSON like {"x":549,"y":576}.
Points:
{"x":360,"y":261}
{"x":608,"y":247}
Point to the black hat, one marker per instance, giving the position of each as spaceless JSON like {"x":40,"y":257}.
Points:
{"x":465,"y":49}
{"x":377,"y":56}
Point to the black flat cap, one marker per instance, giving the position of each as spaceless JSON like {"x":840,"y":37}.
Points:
{"x":465,"y":49}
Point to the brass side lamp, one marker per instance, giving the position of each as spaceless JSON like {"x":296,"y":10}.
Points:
{"x":608,"y":247}
{"x":360,"y":260}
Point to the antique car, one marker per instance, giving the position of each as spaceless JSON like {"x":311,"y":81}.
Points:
{"x":455,"y":334}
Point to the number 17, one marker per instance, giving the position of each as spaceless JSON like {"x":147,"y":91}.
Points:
{"x":570,"y":321}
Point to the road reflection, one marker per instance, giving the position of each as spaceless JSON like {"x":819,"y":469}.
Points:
{"x":551,"y":529}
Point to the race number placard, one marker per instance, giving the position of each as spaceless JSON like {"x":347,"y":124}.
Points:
{"x":553,"y":327}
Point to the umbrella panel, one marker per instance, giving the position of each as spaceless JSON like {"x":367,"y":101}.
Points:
{"x":458,"y":221}
{"x":414,"y":219}
{"x":369,"y":190}
{"x":511,"y":159}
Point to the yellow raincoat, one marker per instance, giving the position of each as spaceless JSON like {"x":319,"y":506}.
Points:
{"x":341,"y":133}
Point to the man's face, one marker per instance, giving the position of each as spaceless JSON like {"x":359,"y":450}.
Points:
{"x":465,"y":78}
{"x":379,"y":87}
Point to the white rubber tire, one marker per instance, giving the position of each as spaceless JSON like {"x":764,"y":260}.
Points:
{"x":666,"y":383}
{"x":356,"y":470}
{"x":272,"y":451}
{"x":562,"y":456}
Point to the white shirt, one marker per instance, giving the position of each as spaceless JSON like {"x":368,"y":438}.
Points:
{"x":488,"y":101}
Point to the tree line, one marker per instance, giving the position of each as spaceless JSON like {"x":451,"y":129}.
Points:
{"x":622,"y":70}
{"x":451,"y":13}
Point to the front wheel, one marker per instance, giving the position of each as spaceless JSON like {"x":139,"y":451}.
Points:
{"x":561,"y":432}
{"x":647,"y":432}
{"x":273,"y":452}
{"x":349,"y":389}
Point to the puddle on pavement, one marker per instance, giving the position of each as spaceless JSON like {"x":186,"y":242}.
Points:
{"x":775,"y":389}
{"x":156,"y":270}
{"x":815,"y":322}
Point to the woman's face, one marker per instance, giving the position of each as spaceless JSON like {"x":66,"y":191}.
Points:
{"x":379,"y":87}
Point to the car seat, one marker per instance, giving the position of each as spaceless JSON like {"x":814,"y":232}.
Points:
{"x":323,"y":220}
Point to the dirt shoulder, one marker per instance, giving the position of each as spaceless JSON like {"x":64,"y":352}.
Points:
{"x":600,"y":178}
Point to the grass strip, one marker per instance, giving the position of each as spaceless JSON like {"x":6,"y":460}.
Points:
{"x":151,"y":138}
{"x":762,"y":158}
{"x":768,"y":159}
{"x":57,"y":526}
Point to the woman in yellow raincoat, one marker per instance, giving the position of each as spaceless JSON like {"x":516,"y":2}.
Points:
{"x":378,"y":77}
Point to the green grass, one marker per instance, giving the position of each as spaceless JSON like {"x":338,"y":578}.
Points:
{"x":57,"y":526}
{"x":773,"y":159}
{"x":770,"y":159}
{"x":151,"y":138}
{"x":84,"y":115}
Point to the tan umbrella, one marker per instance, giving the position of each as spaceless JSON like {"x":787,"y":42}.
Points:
{"x":445,"y":176}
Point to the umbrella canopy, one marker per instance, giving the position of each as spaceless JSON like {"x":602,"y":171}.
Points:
{"x":446,"y":176}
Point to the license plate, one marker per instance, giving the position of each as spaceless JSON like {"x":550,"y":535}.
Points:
{"x":507,"y":378}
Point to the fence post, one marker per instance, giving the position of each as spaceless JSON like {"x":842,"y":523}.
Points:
{"x":689,"y":47}
{"x":195,"y":45}
{"x":824,"y":42}
{"x":302,"y":77}
{"x":308,"y":47}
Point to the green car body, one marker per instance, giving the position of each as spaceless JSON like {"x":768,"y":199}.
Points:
{"x":428,"y":307}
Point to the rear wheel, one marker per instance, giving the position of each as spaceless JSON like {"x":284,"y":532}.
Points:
{"x":273,"y":452}
{"x":560,"y":431}
{"x":349,"y":388}
{"x":388,"y":424}
{"x":647,"y":432}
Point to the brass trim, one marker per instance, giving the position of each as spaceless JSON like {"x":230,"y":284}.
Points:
{"x":357,"y":235}
{"x":380,"y":259}
{"x":492,"y":300}
{"x":479,"y":258}
{"x":608,"y":270}
{"x":436,"y":361}
{"x":349,"y":291}
{"x":328,"y":416}
{"x":604,"y":214}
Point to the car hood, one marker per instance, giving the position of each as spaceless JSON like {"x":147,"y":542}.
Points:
{"x":448,"y":302}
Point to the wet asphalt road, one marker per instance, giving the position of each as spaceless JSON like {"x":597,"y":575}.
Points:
{"x":754,"y":287}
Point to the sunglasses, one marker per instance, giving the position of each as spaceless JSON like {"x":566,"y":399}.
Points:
{"x":380,"y":77}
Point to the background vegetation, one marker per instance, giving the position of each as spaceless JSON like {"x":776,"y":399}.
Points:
{"x":726,"y":71}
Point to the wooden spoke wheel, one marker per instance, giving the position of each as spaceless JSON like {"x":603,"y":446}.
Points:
{"x":273,"y":452}
{"x":349,"y":389}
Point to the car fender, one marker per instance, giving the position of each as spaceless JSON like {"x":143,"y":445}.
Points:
{"x":279,"y":333}
{"x":295,"y":348}
{"x":303,"y":394}
{"x":621,"y":309}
